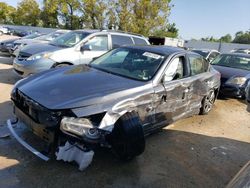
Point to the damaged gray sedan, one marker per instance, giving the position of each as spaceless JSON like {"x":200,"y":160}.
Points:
{"x":115,"y":101}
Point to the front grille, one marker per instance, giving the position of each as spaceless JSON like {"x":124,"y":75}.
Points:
{"x":35,"y":111}
{"x":19,"y":72}
{"x":23,"y":56}
{"x":223,"y":80}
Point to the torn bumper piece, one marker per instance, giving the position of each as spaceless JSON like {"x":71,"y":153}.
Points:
{"x":69,"y":153}
{"x":25,"y":144}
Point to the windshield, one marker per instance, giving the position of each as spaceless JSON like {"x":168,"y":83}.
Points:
{"x":32,"y":36}
{"x":131,"y":63}
{"x":69,"y":39}
{"x":234,"y":61}
{"x":202,"y":53}
{"x":50,"y":36}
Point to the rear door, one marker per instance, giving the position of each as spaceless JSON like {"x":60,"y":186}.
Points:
{"x":201,"y":78}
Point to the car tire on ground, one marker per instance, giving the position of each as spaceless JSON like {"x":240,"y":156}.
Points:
{"x":61,"y":65}
{"x":127,"y":138}
{"x":207,"y":102}
{"x":1,"y":33}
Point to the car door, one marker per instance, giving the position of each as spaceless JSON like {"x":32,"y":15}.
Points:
{"x":172,"y":94}
{"x":201,"y":78}
{"x":94,"y":47}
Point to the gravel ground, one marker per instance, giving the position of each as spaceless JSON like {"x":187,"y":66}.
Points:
{"x":200,"y":151}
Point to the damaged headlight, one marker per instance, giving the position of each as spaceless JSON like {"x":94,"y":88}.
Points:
{"x":237,"y":81}
{"x":79,"y":126}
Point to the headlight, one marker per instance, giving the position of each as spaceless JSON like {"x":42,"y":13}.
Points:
{"x":44,"y":55}
{"x":79,"y":126}
{"x":237,"y":81}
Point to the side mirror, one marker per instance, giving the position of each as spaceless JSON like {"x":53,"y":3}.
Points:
{"x":85,"y":48}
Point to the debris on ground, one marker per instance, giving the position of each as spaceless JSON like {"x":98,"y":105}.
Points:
{"x":69,"y":153}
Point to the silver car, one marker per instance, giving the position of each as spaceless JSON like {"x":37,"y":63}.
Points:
{"x":75,"y":47}
{"x":18,"y":45}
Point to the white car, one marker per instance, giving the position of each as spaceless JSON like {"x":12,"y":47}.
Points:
{"x":3,"y":30}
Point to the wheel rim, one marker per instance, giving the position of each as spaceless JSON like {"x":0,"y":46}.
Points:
{"x":209,"y":100}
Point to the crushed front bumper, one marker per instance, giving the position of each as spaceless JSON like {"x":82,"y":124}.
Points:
{"x":25,"y":144}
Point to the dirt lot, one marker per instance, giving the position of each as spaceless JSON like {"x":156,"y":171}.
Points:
{"x":201,"y":151}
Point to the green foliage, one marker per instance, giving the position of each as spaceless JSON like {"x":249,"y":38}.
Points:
{"x":227,"y":38}
{"x":49,"y":13}
{"x":147,"y":17}
{"x":242,"y":37}
{"x":7,"y":13}
{"x":27,"y":13}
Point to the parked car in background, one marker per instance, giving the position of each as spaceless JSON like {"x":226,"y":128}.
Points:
{"x":3,"y":30}
{"x":116,"y":100}
{"x":248,"y":96}
{"x":7,"y":45}
{"x":45,"y":38}
{"x":241,"y":50}
{"x":75,"y":47}
{"x":208,"y":54}
{"x":235,"y":73}
{"x":27,"y":37}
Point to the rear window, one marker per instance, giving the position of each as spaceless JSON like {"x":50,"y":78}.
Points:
{"x":118,"y":40}
{"x":139,"y":41}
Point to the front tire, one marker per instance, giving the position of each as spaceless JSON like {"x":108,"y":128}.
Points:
{"x":61,"y":65}
{"x":207,"y":102}
{"x":127,"y":138}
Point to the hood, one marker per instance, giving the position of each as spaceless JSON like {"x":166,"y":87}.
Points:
{"x":29,"y":41}
{"x":76,"y":86}
{"x":9,"y":41}
{"x":227,"y":72}
{"x":38,"y":48}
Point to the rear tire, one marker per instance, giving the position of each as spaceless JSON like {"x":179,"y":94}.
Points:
{"x":207,"y":102}
{"x":127,"y":137}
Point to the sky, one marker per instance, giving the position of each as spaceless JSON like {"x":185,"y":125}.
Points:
{"x":204,"y":18}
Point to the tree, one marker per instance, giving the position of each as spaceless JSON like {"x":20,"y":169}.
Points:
{"x":139,"y":16}
{"x":49,"y":14}
{"x":28,"y":13}
{"x":227,"y":38}
{"x":7,"y":13}
{"x":67,"y":11}
{"x":94,"y":12}
{"x":242,"y":37}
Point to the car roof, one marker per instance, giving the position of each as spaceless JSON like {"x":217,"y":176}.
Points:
{"x":237,"y":54}
{"x":205,"y":50}
{"x":109,"y":31}
{"x":163,"y":50}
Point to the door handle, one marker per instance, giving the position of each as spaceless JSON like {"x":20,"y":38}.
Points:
{"x":185,"y":93}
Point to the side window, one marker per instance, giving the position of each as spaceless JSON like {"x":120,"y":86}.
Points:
{"x":98,"y":43}
{"x":119,"y":40}
{"x":175,"y":70}
{"x":139,"y":41}
{"x":197,"y":64}
{"x":212,"y":56}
